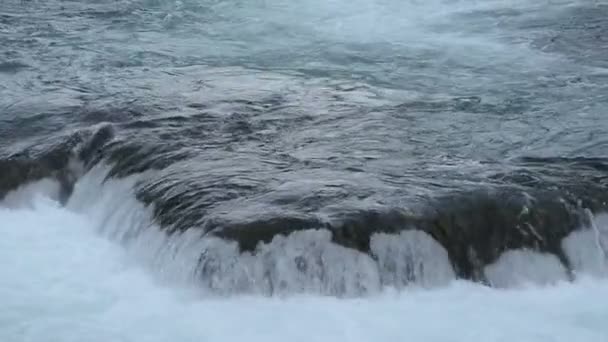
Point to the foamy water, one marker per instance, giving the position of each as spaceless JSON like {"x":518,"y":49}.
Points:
{"x":380,"y":98}
{"x":64,"y":281}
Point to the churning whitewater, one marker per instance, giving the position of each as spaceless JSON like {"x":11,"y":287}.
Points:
{"x":71,"y":275}
{"x":367,"y":170}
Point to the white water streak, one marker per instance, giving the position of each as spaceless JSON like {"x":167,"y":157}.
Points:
{"x":61,"y":281}
{"x":303,"y":262}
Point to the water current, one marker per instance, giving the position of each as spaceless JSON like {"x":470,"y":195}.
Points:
{"x":327,"y":170}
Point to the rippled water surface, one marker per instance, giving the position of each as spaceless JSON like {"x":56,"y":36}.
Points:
{"x":362,"y":143}
{"x":208,"y":170}
{"x":377,"y":84}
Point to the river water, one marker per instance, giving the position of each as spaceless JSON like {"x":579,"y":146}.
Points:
{"x":351,"y":170}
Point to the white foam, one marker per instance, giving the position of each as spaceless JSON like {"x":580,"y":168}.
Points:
{"x":585,"y":249}
{"x":61,"y":281}
{"x":27,"y":194}
{"x":411,"y":257}
{"x":600,"y":225}
{"x":303,"y":262}
{"x":116,"y":214}
{"x":585,"y":254}
{"x":517,"y":268}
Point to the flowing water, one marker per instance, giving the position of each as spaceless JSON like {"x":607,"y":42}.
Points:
{"x":207,"y":170}
{"x":64,"y":279}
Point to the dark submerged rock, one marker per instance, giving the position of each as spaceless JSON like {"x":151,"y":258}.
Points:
{"x":535,"y":207}
{"x":475,"y":228}
{"x":53,"y":161}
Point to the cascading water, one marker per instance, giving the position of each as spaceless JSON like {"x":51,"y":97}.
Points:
{"x":278,"y":170}
{"x":98,"y":270}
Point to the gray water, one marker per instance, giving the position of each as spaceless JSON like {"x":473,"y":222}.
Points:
{"x":249,"y":120}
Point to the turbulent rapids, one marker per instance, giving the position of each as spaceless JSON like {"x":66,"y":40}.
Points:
{"x":505,"y":235}
{"x":310,"y":170}
{"x":336,"y":148}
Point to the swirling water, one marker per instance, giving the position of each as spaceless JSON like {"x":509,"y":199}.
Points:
{"x":285,"y":147}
